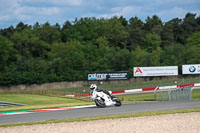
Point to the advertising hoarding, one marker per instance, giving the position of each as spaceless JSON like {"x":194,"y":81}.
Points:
{"x":155,"y":71}
{"x":108,"y":76}
{"x":191,"y":69}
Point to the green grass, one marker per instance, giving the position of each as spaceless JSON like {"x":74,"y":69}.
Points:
{"x":34,"y":99}
{"x":137,"y":97}
{"x":196,"y":94}
{"x":38,"y":101}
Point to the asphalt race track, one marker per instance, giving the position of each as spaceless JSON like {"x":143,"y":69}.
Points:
{"x":95,"y":111}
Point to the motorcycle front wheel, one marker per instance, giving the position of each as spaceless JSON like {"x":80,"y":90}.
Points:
{"x":118,"y":102}
{"x":100,"y":103}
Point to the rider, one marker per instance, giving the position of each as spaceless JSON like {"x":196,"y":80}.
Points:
{"x":94,"y":87}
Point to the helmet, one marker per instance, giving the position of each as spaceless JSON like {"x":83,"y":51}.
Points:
{"x":93,"y":86}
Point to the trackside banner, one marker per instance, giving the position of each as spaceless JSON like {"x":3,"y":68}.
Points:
{"x":155,"y":71}
{"x":108,"y":76}
{"x":191,"y":69}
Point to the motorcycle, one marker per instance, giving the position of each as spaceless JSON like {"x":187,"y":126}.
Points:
{"x":102,"y":99}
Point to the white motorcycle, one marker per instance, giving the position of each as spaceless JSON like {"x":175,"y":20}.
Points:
{"x":102,"y":99}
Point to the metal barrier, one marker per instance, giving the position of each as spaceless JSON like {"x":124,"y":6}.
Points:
{"x":173,"y":94}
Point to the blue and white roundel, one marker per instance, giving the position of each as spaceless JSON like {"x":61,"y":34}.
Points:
{"x":192,"y":69}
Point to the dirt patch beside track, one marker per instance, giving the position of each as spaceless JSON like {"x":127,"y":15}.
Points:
{"x":172,"y":123}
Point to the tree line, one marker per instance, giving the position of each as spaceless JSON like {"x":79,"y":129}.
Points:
{"x":43,"y":53}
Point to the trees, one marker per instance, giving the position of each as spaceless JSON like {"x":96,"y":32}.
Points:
{"x":177,"y":30}
{"x":173,"y":54}
{"x":64,"y":31}
{"x":151,"y":41}
{"x":167,"y":34}
{"x":21,"y":26}
{"x":155,"y":57}
{"x":83,"y":30}
{"x":136,"y":33}
{"x":67,"y":60}
{"x":192,"y":48}
{"x":189,"y":25}
{"x":121,"y":60}
{"x":48,"y":33}
{"x":191,"y":55}
{"x":116,"y":33}
{"x":138,"y":57}
{"x":198,"y":24}
{"x":29,"y":45}
{"x":7,"y":32}
{"x":7,"y":53}
{"x":153,"y":24}
{"x":194,"y":39}
{"x":48,"y":53}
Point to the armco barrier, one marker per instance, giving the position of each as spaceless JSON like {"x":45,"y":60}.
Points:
{"x":144,"y":89}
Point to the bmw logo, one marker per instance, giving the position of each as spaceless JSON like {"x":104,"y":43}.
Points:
{"x":192,"y":69}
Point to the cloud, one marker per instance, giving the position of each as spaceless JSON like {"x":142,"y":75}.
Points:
{"x":127,"y":11}
{"x":68,"y":2}
{"x":180,"y":2}
{"x":172,"y":13}
{"x":39,"y":11}
{"x":53,"y":2}
{"x":4,"y":18}
{"x":7,"y":10}
{"x":15,"y":10}
{"x":30,"y":11}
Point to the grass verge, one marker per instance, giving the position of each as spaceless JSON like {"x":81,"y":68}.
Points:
{"x":39,"y":102}
{"x":141,"y":114}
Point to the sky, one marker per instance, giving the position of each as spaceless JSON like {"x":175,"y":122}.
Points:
{"x":59,"y":11}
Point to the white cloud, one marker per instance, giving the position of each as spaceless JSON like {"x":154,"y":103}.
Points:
{"x":185,"y":2}
{"x":30,"y":11}
{"x":16,"y":11}
{"x":41,"y":11}
{"x":174,"y":12}
{"x":55,"y":2}
{"x":127,"y":11}
{"x":4,"y":18}
{"x":67,"y":2}
{"x":7,"y":10}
